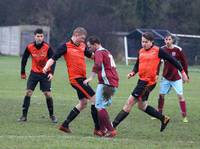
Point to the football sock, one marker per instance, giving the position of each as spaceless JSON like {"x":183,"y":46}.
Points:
{"x":104,"y":119}
{"x":153,"y":112}
{"x":183,"y":108}
{"x":26,"y":105}
{"x":161,"y":102}
{"x":49,"y":102}
{"x":94,"y":114}
{"x":120,"y":117}
{"x":74,"y":113}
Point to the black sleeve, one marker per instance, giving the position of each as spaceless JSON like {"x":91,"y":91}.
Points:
{"x":164,"y":55}
{"x":50,"y":54}
{"x":24,"y":60}
{"x":88,"y":53}
{"x":61,"y":50}
{"x":136,"y":66}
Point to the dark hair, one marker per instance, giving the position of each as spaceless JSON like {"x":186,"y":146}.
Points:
{"x":38,"y":31}
{"x":170,"y":35}
{"x":148,"y":36}
{"x":94,"y":39}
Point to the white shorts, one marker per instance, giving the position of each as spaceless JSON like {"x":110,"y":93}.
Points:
{"x":100,"y":103}
{"x":166,"y":85}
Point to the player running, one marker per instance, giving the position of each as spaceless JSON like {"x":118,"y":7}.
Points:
{"x":74,"y":52}
{"x":147,"y":67}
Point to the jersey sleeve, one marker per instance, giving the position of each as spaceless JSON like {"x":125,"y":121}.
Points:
{"x":61,"y":50}
{"x":88,"y":53}
{"x":136,"y":66}
{"x":164,"y":55}
{"x":50,"y":54}
{"x":184,"y":62}
{"x":24,"y":60}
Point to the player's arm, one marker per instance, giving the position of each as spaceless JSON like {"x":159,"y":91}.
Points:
{"x":135,"y":69}
{"x":164,"y":55}
{"x":24,"y":62}
{"x":61,"y":50}
{"x":90,"y":78}
{"x":184,"y":62}
{"x":88,"y":53}
{"x":50,"y":55}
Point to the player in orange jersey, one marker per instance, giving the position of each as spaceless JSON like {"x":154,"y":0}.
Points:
{"x":147,"y":67}
{"x":74,"y":52}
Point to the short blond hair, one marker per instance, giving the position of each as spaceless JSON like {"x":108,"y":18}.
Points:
{"x":80,"y":31}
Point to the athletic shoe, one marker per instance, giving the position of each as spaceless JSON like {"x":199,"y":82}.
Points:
{"x":22,"y":119}
{"x":164,"y":123}
{"x":53,"y":119}
{"x":185,"y":120}
{"x":98,"y":133}
{"x":65,"y":129}
{"x":111,"y":134}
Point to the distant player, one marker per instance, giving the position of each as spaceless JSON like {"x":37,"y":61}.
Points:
{"x":74,"y":52}
{"x":172,"y":78}
{"x":40,"y":52}
{"x":147,"y":67}
{"x":105,"y":68}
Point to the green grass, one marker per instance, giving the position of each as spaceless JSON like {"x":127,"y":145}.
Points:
{"x":138,"y":131}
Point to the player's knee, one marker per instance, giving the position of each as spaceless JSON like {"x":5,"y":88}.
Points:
{"x":128,"y":106}
{"x":141,"y":107}
{"x":29,"y":93}
{"x":181,"y":98}
{"x":83,"y":104}
{"x":47,"y":94}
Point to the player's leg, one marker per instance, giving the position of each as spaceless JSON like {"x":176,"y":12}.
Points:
{"x":164,"y":89}
{"x":45,"y":87}
{"x":31,"y":84}
{"x":73,"y":114}
{"x":143,"y":105}
{"x":103,"y":115}
{"x":129,"y":103}
{"x":124,"y":112}
{"x":94,"y":112}
{"x":178,"y":87}
{"x":83,"y":95}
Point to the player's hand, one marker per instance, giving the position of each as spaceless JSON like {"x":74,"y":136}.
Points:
{"x":23,"y":76}
{"x":86,"y":81}
{"x":45,"y":69}
{"x":131,"y":74}
{"x":184,"y":77}
{"x":50,"y":76}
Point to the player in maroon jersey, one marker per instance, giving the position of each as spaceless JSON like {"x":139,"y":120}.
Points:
{"x":171,"y":76}
{"x":40,"y":52}
{"x":105,"y":68}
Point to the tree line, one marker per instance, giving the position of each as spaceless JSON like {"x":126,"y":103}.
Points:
{"x":102,"y":16}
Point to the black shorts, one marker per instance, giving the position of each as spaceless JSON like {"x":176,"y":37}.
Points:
{"x":34,"y":78}
{"x":142,"y":90}
{"x":83,"y":91}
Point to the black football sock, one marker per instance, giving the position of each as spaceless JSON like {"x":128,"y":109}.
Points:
{"x":26,"y":105}
{"x":119,"y":118}
{"x":153,"y":112}
{"x":74,"y":113}
{"x":94,"y":114}
{"x":49,"y":101}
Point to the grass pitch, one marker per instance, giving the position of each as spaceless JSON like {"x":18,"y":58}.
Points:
{"x":138,"y":131}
